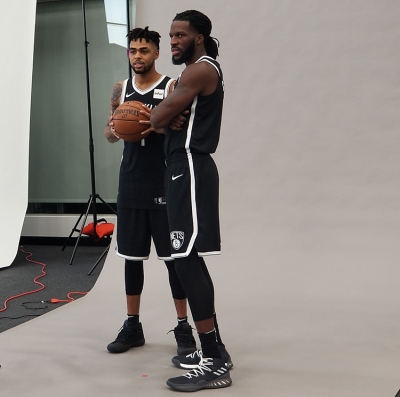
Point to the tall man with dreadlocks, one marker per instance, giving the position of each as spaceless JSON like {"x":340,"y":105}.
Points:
{"x":141,"y":209}
{"x":192,"y":185}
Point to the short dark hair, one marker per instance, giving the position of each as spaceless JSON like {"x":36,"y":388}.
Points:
{"x":203,"y":25}
{"x":145,"y":34}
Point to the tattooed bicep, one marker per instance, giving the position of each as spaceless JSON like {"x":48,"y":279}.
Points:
{"x":115,"y":98}
{"x":116,"y":92}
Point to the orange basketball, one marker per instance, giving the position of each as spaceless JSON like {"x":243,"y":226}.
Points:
{"x":126,"y":121}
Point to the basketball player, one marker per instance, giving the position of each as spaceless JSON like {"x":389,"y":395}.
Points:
{"x":141,"y":209}
{"x":191,"y":184}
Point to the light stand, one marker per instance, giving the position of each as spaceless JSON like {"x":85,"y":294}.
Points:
{"x":91,"y":203}
{"x":128,"y":25}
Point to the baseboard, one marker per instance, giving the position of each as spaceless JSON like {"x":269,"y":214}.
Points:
{"x":83,"y":241}
{"x":56,"y":225}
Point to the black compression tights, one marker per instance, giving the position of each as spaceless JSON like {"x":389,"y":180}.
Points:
{"x":134,"y":279}
{"x":196,"y":281}
{"x":176,"y":286}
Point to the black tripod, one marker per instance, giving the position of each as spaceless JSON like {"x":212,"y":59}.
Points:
{"x":91,"y":203}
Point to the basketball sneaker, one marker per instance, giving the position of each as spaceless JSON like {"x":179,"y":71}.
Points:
{"x":184,"y":339}
{"x":129,"y":336}
{"x":211,"y":373}
{"x":193,"y":360}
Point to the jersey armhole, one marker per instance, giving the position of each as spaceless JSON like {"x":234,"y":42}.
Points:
{"x":168,"y":87}
{"x":122,"y":99}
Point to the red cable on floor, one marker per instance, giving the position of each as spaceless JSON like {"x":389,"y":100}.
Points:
{"x":53,"y":300}
{"x":29,"y":254}
{"x":70,"y":299}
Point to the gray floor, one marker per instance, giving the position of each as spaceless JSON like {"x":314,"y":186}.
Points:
{"x":291,"y":331}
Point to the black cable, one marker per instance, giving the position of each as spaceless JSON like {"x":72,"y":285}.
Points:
{"x":26,"y":306}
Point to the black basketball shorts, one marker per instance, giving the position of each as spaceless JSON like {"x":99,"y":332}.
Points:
{"x":192,"y":194}
{"x":136,"y":227}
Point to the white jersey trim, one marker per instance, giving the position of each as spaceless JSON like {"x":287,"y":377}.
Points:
{"x":194,"y":205}
{"x":133,"y":258}
{"x":207,"y":59}
{"x":167,"y":258}
{"x":143,"y":258}
{"x":209,"y":253}
{"x":167,"y":87}
{"x":190,"y":125}
{"x":201,"y":254}
{"x":141,"y":92}
{"x":147,"y":90}
{"x":122,"y":98}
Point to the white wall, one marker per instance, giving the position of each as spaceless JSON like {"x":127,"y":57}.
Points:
{"x":309,"y":151}
{"x":309,"y":147}
{"x":16,"y":48}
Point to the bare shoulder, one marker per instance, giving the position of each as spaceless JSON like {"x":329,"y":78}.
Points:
{"x":198,"y":69}
{"x":202,"y":76}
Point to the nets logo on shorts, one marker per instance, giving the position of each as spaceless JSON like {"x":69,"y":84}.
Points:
{"x":177,"y":239}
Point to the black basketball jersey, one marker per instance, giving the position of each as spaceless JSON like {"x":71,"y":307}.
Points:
{"x":201,"y":130}
{"x":141,"y":178}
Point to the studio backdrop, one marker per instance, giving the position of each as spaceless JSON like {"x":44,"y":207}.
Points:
{"x":16,"y":48}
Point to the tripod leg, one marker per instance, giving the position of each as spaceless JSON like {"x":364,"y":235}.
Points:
{"x":112,"y":209}
{"x":80,"y":231}
{"x":98,"y":260}
{"x":74,"y":229}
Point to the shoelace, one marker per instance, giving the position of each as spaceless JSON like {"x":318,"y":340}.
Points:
{"x":198,"y":353}
{"x":203,"y":366}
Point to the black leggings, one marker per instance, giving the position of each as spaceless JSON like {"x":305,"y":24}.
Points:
{"x":196,"y":281}
{"x":134,"y":279}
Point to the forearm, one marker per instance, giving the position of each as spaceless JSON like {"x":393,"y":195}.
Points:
{"x":159,"y":119}
{"x":170,"y":108}
{"x":114,"y":103}
{"x":109,"y":135}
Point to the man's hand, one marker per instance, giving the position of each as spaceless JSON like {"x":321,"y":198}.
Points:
{"x":110,"y":132}
{"x":111,"y":124}
{"x":177,"y":122}
{"x":147,"y":112}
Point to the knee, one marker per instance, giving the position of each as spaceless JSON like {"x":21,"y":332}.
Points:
{"x":134,"y":277}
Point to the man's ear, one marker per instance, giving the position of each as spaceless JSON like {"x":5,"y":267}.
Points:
{"x":157,"y":54}
{"x":200,"y":39}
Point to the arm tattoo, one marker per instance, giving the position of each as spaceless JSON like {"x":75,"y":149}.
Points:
{"x":116,"y":92}
{"x":115,"y":97}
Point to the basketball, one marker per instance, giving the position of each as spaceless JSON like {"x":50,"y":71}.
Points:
{"x":126,"y":121}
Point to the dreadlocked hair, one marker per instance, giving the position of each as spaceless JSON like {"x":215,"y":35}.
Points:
{"x":203,"y":25}
{"x":145,"y":34}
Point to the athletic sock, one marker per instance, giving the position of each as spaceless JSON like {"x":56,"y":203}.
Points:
{"x":133,"y":319}
{"x":209,"y":344}
{"x":219,"y":340}
{"x":182,"y":320}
